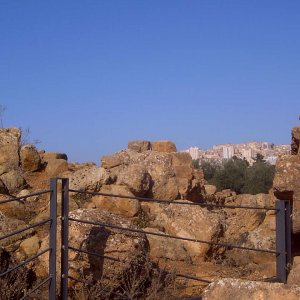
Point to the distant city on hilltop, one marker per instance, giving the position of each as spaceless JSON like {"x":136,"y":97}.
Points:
{"x":246,"y":151}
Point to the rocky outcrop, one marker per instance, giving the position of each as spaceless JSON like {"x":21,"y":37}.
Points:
{"x":119,"y":206}
{"x":184,"y":221}
{"x":9,"y":147}
{"x":295,"y":141}
{"x":30,"y":158}
{"x":159,"y":173}
{"x":88,"y":178}
{"x":286,"y":185}
{"x":228,"y":289}
{"x":139,"y":146}
{"x":13,"y":180}
{"x":163,"y":146}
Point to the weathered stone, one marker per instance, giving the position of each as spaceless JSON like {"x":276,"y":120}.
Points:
{"x":136,"y":178}
{"x":185,"y":172}
{"x":9,"y":225}
{"x":186,"y":221}
{"x":210,"y":189}
{"x":89,"y":178}
{"x":295,"y":140}
{"x":163,"y":146}
{"x":13,"y":181}
{"x":30,"y":158}
{"x":181,"y":159}
{"x":123,"y":207}
{"x":13,"y":209}
{"x":9,"y":147}
{"x":139,"y":146}
{"x":46,"y":156}
{"x":163,"y":248}
{"x":30,"y":246}
{"x":108,"y":162}
{"x":3,"y":188}
{"x":228,"y":289}
{"x":55,"y":167}
{"x":294,"y":275}
{"x":286,"y":185}
{"x":3,"y":169}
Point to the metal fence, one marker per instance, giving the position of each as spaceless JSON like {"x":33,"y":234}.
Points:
{"x":283,"y":235}
{"x":51,"y":279}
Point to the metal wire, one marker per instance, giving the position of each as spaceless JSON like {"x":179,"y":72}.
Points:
{"x":24,"y":262}
{"x":24,"y":229}
{"x":36,"y":288}
{"x":173,"y":202}
{"x":24,"y":197}
{"x":173,"y":236}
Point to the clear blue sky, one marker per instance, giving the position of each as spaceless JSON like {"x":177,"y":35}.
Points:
{"x":87,"y":76}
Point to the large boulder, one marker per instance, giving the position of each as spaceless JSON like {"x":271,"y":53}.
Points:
{"x":9,"y":147}
{"x":228,"y":289}
{"x":187,"y":221}
{"x":56,"y":167}
{"x":136,"y":178}
{"x":139,"y":146}
{"x":13,"y":180}
{"x":88,"y":179}
{"x":30,"y":158}
{"x":163,"y":146}
{"x":286,"y":185}
{"x":119,"y":206}
{"x":295,"y":140}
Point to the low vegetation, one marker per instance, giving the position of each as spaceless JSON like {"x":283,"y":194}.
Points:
{"x":236,"y":174}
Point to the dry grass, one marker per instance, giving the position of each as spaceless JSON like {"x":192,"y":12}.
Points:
{"x":142,"y":280}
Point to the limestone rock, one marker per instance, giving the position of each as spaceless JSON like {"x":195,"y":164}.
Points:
{"x":9,"y":147}
{"x":295,"y":141}
{"x":164,"y":248}
{"x":13,"y":180}
{"x":89,"y":178}
{"x":136,"y":178}
{"x":294,"y":275}
{"x":286,"y":185}
{"x":56,"y":167}
{"x":13,"y":209}
{"x":3,"y":188}
{"x":46,"y":156}
{"x":186,"y":221}
{"x":139,"y":146}
{"x":108,"y":162}
{"x":210,"y":189}
{"x":160,"y":175}
{"x":163,"y":146}
{"x":123,"y":207}
{"x":228,"y":289}
{"x":30,"y":158}
{"x":30,"y":246}
{"x":8,"y":225}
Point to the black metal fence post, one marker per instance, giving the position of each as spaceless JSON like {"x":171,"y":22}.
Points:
{"x":283,"y":239}
{"x":52,"y":239}
{"x":64,"y":238}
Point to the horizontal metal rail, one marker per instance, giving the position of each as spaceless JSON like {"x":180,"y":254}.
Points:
{"x":24,"y":229}
{"x":24,"y":197}
{"x":36,"y":288}
{"x":124,"y":262}
{"x":24,"y":263}
{"x":96,"y":254}
{"x":173,"y":202}
{"x":173,"y":236}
